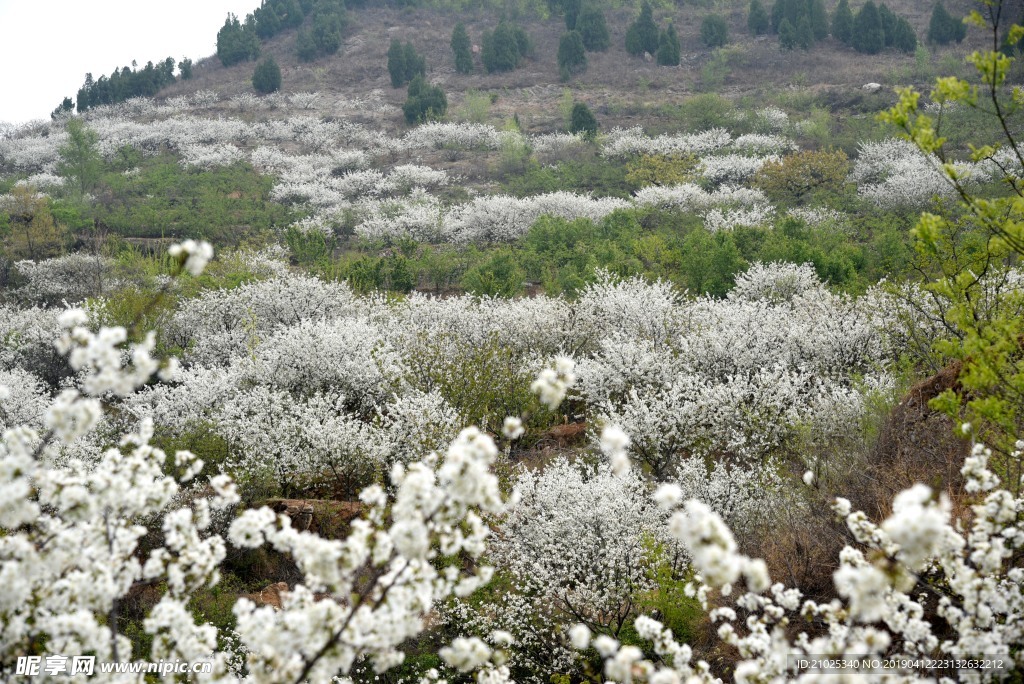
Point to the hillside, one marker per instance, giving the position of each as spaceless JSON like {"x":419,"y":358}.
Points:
{"x":662,"y":374}
{"x":624,"y":90}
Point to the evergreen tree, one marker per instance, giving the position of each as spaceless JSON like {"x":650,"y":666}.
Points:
{"x":396,"y":63}
{"x":462,"y":49}
{"x":668,"y":47}
{"x":714,"y":32}
{"x":237,"y":43}
{"x":943,"y":28}
{"x":778,"y":14}
{"x":572,"y":56}
{"x":787,"y":35}
{"x":819,"y":19}
{"x":868,"y":36}
{"x":758,"y":22}
{"x":500,"y":49}
{"x":888,"y":24}
{"x":904,"y":38}
{"x":424,"y":102}
{"x":185,"y":69}
{"x":572,"y":13}
{"x":415,"y":63}
{"x":291,"y":13}
{"x":268,"y":24}
{"x":593,"y":29}
{"x":583,"y":121}
{"x":842,"y":23}
{"x":642,"y":35}
{"x":267,"y":76}
{"x":804,"y":33}
{"x":65,"y":107}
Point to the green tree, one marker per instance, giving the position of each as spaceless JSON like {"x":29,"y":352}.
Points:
{"x":396,"y":63}
{"x":80,"y":161}
{"x":868,"y":36}
{"x":267,"y":76}
{"x":424,"y":102}
{"x":462,"y":49}
{"x":842,"y":23}
{"x":583,"y":120}
{"x":593,"y":28}
{"x":572,"y":56}
{"x":714,"y":32}
{"x":66,"y":106}
{"x":758,"y":22}
{"x":642,"y":35}
{"x":185,"y":69}
{"x":904,"y":38}
{"x":668,"y":47}
{"x":500,"y":50}
{"x":819,"y":19}
{"x":981,"y":316}
{"x":237,"y":42}
{"x":572,"y":13}
{"x":804,"y":33}
{"x":787,"y":35}
{"x":943,"y":28}
{"x":888,"y":19}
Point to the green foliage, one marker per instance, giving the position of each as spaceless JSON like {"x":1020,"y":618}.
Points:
{"x":404,"y":63}
{"x":462,"y":49}
{"x":593,"y":28}
{"x":668,"y":47}
{"x":572,"y":13}
{"x":904,"y":39}
{"x":475,"y":107}
{"x":758,"y":22}
{"x":819,"y":19}
{"x":185,"y":69}
{"x":80,"y":161}
{"x":125,"y":83}
{"x":797,"y":177}
{"x":425,"y":102}
{"x":66,"y":106}
{"x":226,"y":205}
{"x":572,"y":56}
{"x":499,"y":276}
{"x":804,"y":33}
{"x":327,"y":22}
{"x":842,"y":23}
{"x":642,"y":35}
{"x":714,"y":32}
{"x":868,"y":33}
{"x":267,"y":76}
{"x":504,"y":48}
{"x":583,"y":120}
{"x":710,"y":262}
{"x":787,"y":35}
{"x":237,"y":42}
{"x":943,"y":28}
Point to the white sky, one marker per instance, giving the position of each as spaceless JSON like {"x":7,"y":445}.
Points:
{"x":47,"y":46}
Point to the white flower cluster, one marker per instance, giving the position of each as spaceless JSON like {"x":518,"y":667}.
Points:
{"x":633,"y":141}
{"x":880,"y":615}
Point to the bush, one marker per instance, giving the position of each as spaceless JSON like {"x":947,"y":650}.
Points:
{"x":868,"y":34}
{"x":714,"y":32}
{"x":842,"y":22}
{"x":796,"y":177}
{"x":593,"y":29}
{"x":462,"y":49}
{"x":504,"y":48}
{"x":572,"y":56}
{"x":424,"y":102}
{"x":642,"y":35}
{"x":583,"y":120}
{"x":758,"y":22}
{"x":404,"y":64}
{"x":943,"y":28}
{"x":668,"y":47}
{"x":267,"y":76}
